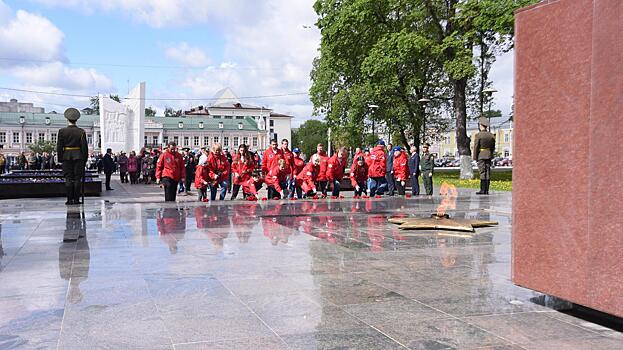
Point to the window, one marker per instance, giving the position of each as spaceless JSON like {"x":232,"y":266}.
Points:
{"x":506,"y":138}
{"x":236,"y":139}
{"x":239,"y":117}
{"x":216,"y":117}
{"x":506,"y":153}
{"x":272,"y":131}
{"x":154,"y":140}
{"x":53,"y":137}
{"x":206,"y":140}
{"x":186,"y":141}
{"x":196,"y":141}
{"x":215,"y":139}
{"x":176,"y":139}
{"x":448,"y":138}
{"x":229,"y":117}
{"x":272,"y":123}
{"x":89,"y":139}
{"x":28,"y":137}
{"x":245,"y":140}
{"x":165,"y":140}
{"x":16,"y":137}
{"x":145,"y":141}
{"x":255,"y":141}
{"x":41,"y":137}
{"x":226,"y":141}
{"x":2,"y":137}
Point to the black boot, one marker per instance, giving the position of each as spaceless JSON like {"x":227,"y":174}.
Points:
{"x":69,"y":188}
{"x":487,"y":183}
{"x":77,"y":192}
{"x":482,"y":187}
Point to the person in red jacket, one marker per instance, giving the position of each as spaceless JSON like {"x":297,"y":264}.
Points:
{"x":298,"y":165}
{"x":242,"y":169}
{"x":287,"y":155}
{"x":277,"y":180}
{"x":218,"y":171}
{"x":201,"y":179}
{"x":359,"y":176}
{"x":170,"y":170}
{"x":335,"y":170}
{"x":252,"y":186}
{"x":377,"y":169}
{"x":322,"y":180}
{"x":307,"y":178}
{"x":271,"y":155}
{"x":401,"y":169}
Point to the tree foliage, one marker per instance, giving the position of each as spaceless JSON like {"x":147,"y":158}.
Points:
{"x":170,"y":112}
{"x":95,"y":102}
{"x":309,"y":135}
{"x":392,"y":53}
{"x":43,"y":146}
{"x":150,"y":112}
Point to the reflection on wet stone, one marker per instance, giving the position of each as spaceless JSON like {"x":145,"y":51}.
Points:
{"x":283,"y":274}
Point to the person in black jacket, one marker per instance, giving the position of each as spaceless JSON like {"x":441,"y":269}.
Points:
{"x":414,"y":169}
{"x":109,"y":167}
{"x":72,"y":150}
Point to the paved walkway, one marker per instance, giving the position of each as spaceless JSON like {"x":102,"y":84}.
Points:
{"x":326,"y":274}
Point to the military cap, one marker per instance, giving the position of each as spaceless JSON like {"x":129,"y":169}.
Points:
{"x":483,"y":121}
{"x":72,"y":114}
{"x":426,"y":144}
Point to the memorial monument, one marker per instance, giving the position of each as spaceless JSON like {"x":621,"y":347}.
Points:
{"x":122,"y":124}
{"x":567,"y":190}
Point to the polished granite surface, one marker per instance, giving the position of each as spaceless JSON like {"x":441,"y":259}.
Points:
{"x":326,"y":274}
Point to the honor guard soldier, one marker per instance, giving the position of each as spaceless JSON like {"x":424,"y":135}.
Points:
{"x":484,"y":147}
{"x":427,"y":165}
{"x":72,"y":150}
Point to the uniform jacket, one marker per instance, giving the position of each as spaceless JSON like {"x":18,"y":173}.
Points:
{"x":427,"y":162}
{"x":75,"y":138}
{"x":324,"y":165}
{"x":484,"y":146}
{"x":242,"y":169}
{"x":109,"y":164}
{"x":414,"y":164}
{"x":277,"y":176}
{"x":335,"y":168}
{"x":299,"y":164}
{"x":270,"y":157}
{"x":308,"y":176}
{"x":401,"y":167}
{"x":218,"y":167}
{"x":377,"y":166}
{"x":358,"y":174}
{"x":171,"y":165}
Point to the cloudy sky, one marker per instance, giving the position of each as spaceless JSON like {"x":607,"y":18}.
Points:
{"x":182,"y":49}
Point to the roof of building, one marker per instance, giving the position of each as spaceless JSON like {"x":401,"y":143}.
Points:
{"x":39,"y":119}
{"x":226,"y":98}
{"x":281,"y":115}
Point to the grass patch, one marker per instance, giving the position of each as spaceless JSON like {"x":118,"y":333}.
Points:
{"x":500,"y":181}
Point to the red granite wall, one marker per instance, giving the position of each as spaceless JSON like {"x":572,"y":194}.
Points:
{"x":568,"y":191}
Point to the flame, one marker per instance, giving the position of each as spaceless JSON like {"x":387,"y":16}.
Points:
{"x":448,"y":193}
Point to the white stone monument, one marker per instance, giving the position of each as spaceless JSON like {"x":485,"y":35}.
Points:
{"x":122,"y":124}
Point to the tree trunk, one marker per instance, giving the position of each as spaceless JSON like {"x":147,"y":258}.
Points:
{"x":462,"y":141}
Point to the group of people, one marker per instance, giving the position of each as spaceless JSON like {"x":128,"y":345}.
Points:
{"x":132,"y":169}
{"x":384,"y":169}
{"x":28,"y":161}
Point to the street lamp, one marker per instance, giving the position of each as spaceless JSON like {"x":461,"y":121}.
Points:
{"x":423,"y":101}
{"x":489,"y":92}
{"x":373,"y":108}
{"x":22,"y":122}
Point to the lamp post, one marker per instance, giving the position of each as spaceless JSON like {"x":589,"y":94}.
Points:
{"x":489,"y":92}
{"x":373,"y":108}
{"x":423,"y":101}
{"x":22,"y":122}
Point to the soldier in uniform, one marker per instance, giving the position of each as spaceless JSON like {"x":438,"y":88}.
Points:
{"x":72,"y":150}
{"x":484,"y":147}
{"x":427,"y":165}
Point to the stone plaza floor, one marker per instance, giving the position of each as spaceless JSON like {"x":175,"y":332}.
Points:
{"x":325,"y":274}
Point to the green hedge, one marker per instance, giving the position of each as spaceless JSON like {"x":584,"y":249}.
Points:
{"x":500,"y":181}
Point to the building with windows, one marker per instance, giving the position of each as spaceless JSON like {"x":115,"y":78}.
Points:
{"x":226,"y":121}
{"x":445,"y":144}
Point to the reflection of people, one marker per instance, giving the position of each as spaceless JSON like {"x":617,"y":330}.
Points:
{"x":74,"y":267}
{"x":171,"y":221}
{"x":72,"y":150}
{"x":1,"y":250}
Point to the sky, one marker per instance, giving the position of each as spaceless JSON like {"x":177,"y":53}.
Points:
{"x":185,"y":51}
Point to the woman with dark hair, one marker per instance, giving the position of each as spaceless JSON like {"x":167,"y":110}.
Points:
{"x":242,"y":168}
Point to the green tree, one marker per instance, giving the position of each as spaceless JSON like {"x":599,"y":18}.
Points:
{"x":150,"y":112}
{"x":95,"y":102}
{"x":170,"y":112}
{"x":42,"y":146}
{"x":309,"y":135}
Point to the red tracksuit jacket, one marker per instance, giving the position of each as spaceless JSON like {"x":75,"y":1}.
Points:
{"x":324,"y":164}
{"x":270,"y":158}
{"x":358,"y":174}
{"x":335,"y":168}
{"x":171,"y":165}
{"x":242,"y":170}
{"x":218,"y":164}
{"x":307,"y":177}
{"x":377,"y":166}
{"x":401,"y":167}
{"x":275,"y":176}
